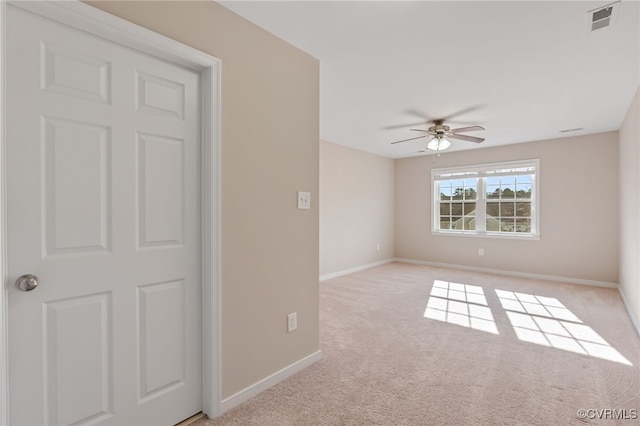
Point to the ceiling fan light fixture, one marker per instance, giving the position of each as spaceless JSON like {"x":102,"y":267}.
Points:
{"x":439,"y":143}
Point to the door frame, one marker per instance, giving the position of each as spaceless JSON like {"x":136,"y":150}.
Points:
{"x":94,"y":21}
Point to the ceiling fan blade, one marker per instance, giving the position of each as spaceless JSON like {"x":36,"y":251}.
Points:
{"x":465,"y":138}
{"x":419,"y":130}
{"x":410,"y":139}
{"x":418,"y":113}
{"x":467,"y":129}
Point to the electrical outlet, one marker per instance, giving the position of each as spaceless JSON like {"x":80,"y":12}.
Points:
{"x":304,"y":200}
{"x":292,"y":322}
{"x":480,"y":252}
{"x":378,"y":247}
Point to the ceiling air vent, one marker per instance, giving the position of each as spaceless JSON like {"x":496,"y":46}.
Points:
{"x":577,"y":129}
{"x":602,"y":17}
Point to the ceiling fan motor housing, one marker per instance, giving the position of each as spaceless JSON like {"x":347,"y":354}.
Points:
{"x":439,"y":129}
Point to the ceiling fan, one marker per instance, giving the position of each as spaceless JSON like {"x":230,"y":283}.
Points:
{"x":441,"y":133}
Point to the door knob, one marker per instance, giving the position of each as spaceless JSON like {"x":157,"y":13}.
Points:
{"x":27,"y":282}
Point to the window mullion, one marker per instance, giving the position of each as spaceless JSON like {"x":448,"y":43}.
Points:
{"x":481,"y":207}
{"x":534,"y":202}
{"x":435,"y":223}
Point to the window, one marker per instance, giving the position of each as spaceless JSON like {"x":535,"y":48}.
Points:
{"x":499,"y":199}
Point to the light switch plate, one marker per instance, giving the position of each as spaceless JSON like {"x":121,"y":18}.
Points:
{"x":292,"y":322}
{"x":304,"y":200}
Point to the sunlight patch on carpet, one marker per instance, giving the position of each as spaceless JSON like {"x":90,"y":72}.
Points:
{"x":545,"y":321}
{"x":460,"y":304}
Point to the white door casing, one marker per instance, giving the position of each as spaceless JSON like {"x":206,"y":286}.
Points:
{"x":152,"y":236}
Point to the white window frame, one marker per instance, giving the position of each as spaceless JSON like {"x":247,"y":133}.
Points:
{"x":481,"y":172}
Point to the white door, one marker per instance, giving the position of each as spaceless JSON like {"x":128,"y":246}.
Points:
{"x":103,"y":184}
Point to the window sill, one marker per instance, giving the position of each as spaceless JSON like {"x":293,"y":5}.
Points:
{"x":513,"y":236}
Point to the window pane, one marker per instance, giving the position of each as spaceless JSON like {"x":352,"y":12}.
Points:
{"x":456,"y":222}
{"x":523,"y":225}
{"x":506,"y":225}
{"x":508,"y":181}
{"x":523,"y":209}
{"x":492,"y":224}
{"x":493,"y":181}
{"x":524,"y":179}
{"x":456,"y":209}
{"x":507,"y":192}
{"x":493,"y":209}
{"x":523,"y":191}
{"x":470,"y":223}
{"x":469,"y":209}
{"x":444,"y":223}
{"x":470,"y":189}
{"x":470,"y":193}
{"x":458,"y":193}
{"x":493,"y":191}
{"x":507,"y":209}
{"x":445,"y":209}
{"x":445,"y":190}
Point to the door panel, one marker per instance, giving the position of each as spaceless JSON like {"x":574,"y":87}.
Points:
{"x":162,"y":347}
{"x":157,"y":95}
{"x":67,"y":358}
{"x":71,"y":149}
{"x":161,"y":191}
{"x":103,"y":184}
{"x":74,"y":74}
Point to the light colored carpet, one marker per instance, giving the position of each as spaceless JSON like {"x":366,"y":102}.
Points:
{"x":385,"y":363}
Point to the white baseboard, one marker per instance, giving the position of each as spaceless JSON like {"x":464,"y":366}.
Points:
{"x":511,"y":273}
{"x":269,"y":381}
{"x":356,"y":269}
{"x":625,"y":301}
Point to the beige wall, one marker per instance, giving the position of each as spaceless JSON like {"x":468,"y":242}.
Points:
{"x":630,"y":208}
{"x":578,"y":211}
{"x":270,"y":142}
{"x":356,"y":208}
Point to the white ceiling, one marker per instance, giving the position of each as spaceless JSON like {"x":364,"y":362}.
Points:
{"x":523,"y":70}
